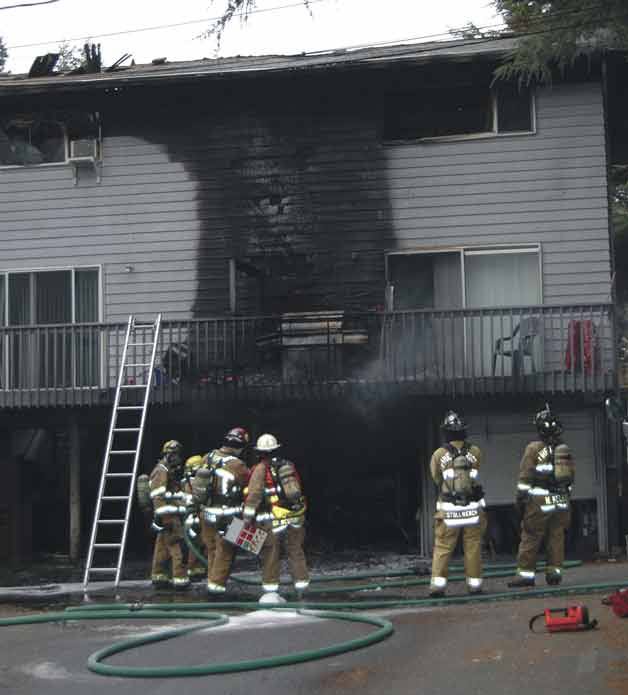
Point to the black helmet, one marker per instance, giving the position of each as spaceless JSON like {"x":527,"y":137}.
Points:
{"x":548,"y":425}
{"x":453,"y":424}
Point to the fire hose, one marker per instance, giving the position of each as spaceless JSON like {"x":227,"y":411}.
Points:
{"x":205,"y":612}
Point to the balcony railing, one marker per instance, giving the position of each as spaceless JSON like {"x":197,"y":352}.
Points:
{"x":538,"y":349}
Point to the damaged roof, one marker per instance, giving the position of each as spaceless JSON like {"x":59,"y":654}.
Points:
{"x":419,"y":53}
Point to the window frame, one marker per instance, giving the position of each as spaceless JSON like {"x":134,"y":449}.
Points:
{"x":66,"y":152}
{"x":72,"y":269}
{"x":484,"y":135}
{"x":5,"y":327}
{"x":473,"y":250}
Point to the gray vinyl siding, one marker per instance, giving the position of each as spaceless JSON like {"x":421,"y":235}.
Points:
{"x":548,"y":188}
{"x":171,"y":206}
{"x":123,"y":221}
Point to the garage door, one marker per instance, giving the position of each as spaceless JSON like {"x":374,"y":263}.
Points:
{"x":503,"y":439}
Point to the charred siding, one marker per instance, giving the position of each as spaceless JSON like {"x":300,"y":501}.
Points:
{"x":291,"y":176}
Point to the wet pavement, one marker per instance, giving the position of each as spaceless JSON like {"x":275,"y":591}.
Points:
{"x":457,"y":649}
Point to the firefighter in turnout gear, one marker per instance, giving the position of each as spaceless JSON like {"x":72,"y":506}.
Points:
{"x":275,"y":502}
{"x":196,"y":571}
{"x":546,"y":476}
{"x":169,"y":505}
{"x":460,"y":506}
{"x":218,"y":489}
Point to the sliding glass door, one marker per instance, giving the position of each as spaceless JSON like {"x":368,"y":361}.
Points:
{"x":502,"y":278}
{"x":46,"y":350}
{"x":443,"y":343}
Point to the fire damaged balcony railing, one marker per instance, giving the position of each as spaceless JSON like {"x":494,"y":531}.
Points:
{"x":542,"y":349}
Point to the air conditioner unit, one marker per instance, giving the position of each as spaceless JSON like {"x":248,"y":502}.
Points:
{"x":84,"y":150}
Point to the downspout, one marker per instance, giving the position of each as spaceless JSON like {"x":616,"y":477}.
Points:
{"x":609,"y":203}
{"x":613,"y":297}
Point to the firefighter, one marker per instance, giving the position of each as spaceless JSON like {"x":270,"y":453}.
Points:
{"x":218,"y":488}
{"x":196,"y":571}
{"x":169,"y":505}
{"x":460,"y":505}
{"x":276,"y":503}
{"x":546,"y":476}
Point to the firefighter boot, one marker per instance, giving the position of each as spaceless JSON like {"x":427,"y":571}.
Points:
{"x":553,"y":577}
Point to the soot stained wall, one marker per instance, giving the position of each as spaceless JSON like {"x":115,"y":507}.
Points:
{"x":290,"y":182}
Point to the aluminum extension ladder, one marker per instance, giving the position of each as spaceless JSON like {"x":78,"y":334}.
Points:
{"x":124,"y":443}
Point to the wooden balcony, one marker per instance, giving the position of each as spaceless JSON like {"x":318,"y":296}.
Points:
{"x":534,"y":350}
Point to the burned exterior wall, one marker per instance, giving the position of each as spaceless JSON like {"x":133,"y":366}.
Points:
{"x":291,"y":185}
{"x":283,"y":175}
{"x":292,"y":177}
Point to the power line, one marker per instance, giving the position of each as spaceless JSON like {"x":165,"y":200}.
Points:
{"x":452,"y":31}
{"x":413,"y":50}
{"x":28,"y":4}
{"x":488,"y":39}
{"x":157,"y":27}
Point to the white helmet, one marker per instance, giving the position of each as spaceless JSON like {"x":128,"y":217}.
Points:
{"x":267,"y":442}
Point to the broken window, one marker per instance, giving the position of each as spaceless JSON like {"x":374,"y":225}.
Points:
{"x":514,"y":109}
{"x":31,"y":140}
{"x":43,"y":138}
{"x":457,"y":111}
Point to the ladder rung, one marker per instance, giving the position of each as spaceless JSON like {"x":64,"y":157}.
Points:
{"x":107,"y":545}
{"x":126,"y":429}
{"x":119,"y":475}
{"x":136,"y":344}
{"x":102,"y":570}
{"x":114,"y":498}
{"x":122,"y":452}
{"x":137,"y":364}
{"x":110,"y":521}
{"x":130,"y":407}
{"x":133,"y":386}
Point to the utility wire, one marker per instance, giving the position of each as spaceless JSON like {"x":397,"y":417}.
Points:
{"x":489,"y":27}
{"x":156,"y":27}
{"x":28,"y":4}
{"x":593,"y":7}
{"x":414,"y":50}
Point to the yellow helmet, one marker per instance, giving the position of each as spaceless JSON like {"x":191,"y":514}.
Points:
{"x":193,"y":463}
{"x":172,"y":446}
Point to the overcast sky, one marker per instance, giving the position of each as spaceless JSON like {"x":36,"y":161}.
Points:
{"x":282,"y":26}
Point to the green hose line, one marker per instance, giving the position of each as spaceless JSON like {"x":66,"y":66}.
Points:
{"x":494,"y":570}
{"x":541,"y":592}
{"x":193,"y":547}
{"x":109,"y":612}
{"x":328,"y":578}
{"x":324,"y":610}
{"x":208,"y":616}
{"x":94,"y":663}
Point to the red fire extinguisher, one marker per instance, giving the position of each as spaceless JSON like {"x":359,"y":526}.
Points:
{"x":570,"y":619}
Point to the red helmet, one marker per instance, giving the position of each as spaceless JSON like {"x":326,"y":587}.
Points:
{"x":237,"y":438}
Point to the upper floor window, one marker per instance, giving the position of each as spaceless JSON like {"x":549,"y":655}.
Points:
{"x":32,"y":140}
{"x":43,"y":138}
{"x":473,"y":110}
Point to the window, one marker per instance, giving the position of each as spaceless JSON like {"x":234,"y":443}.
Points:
{"x":43,"y":138}
{"x":31,"y":140}
{"x":462,"y":278}
{"x":458,"y":111}
{"x":52,"y":297}
{"x":55,"y":355}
